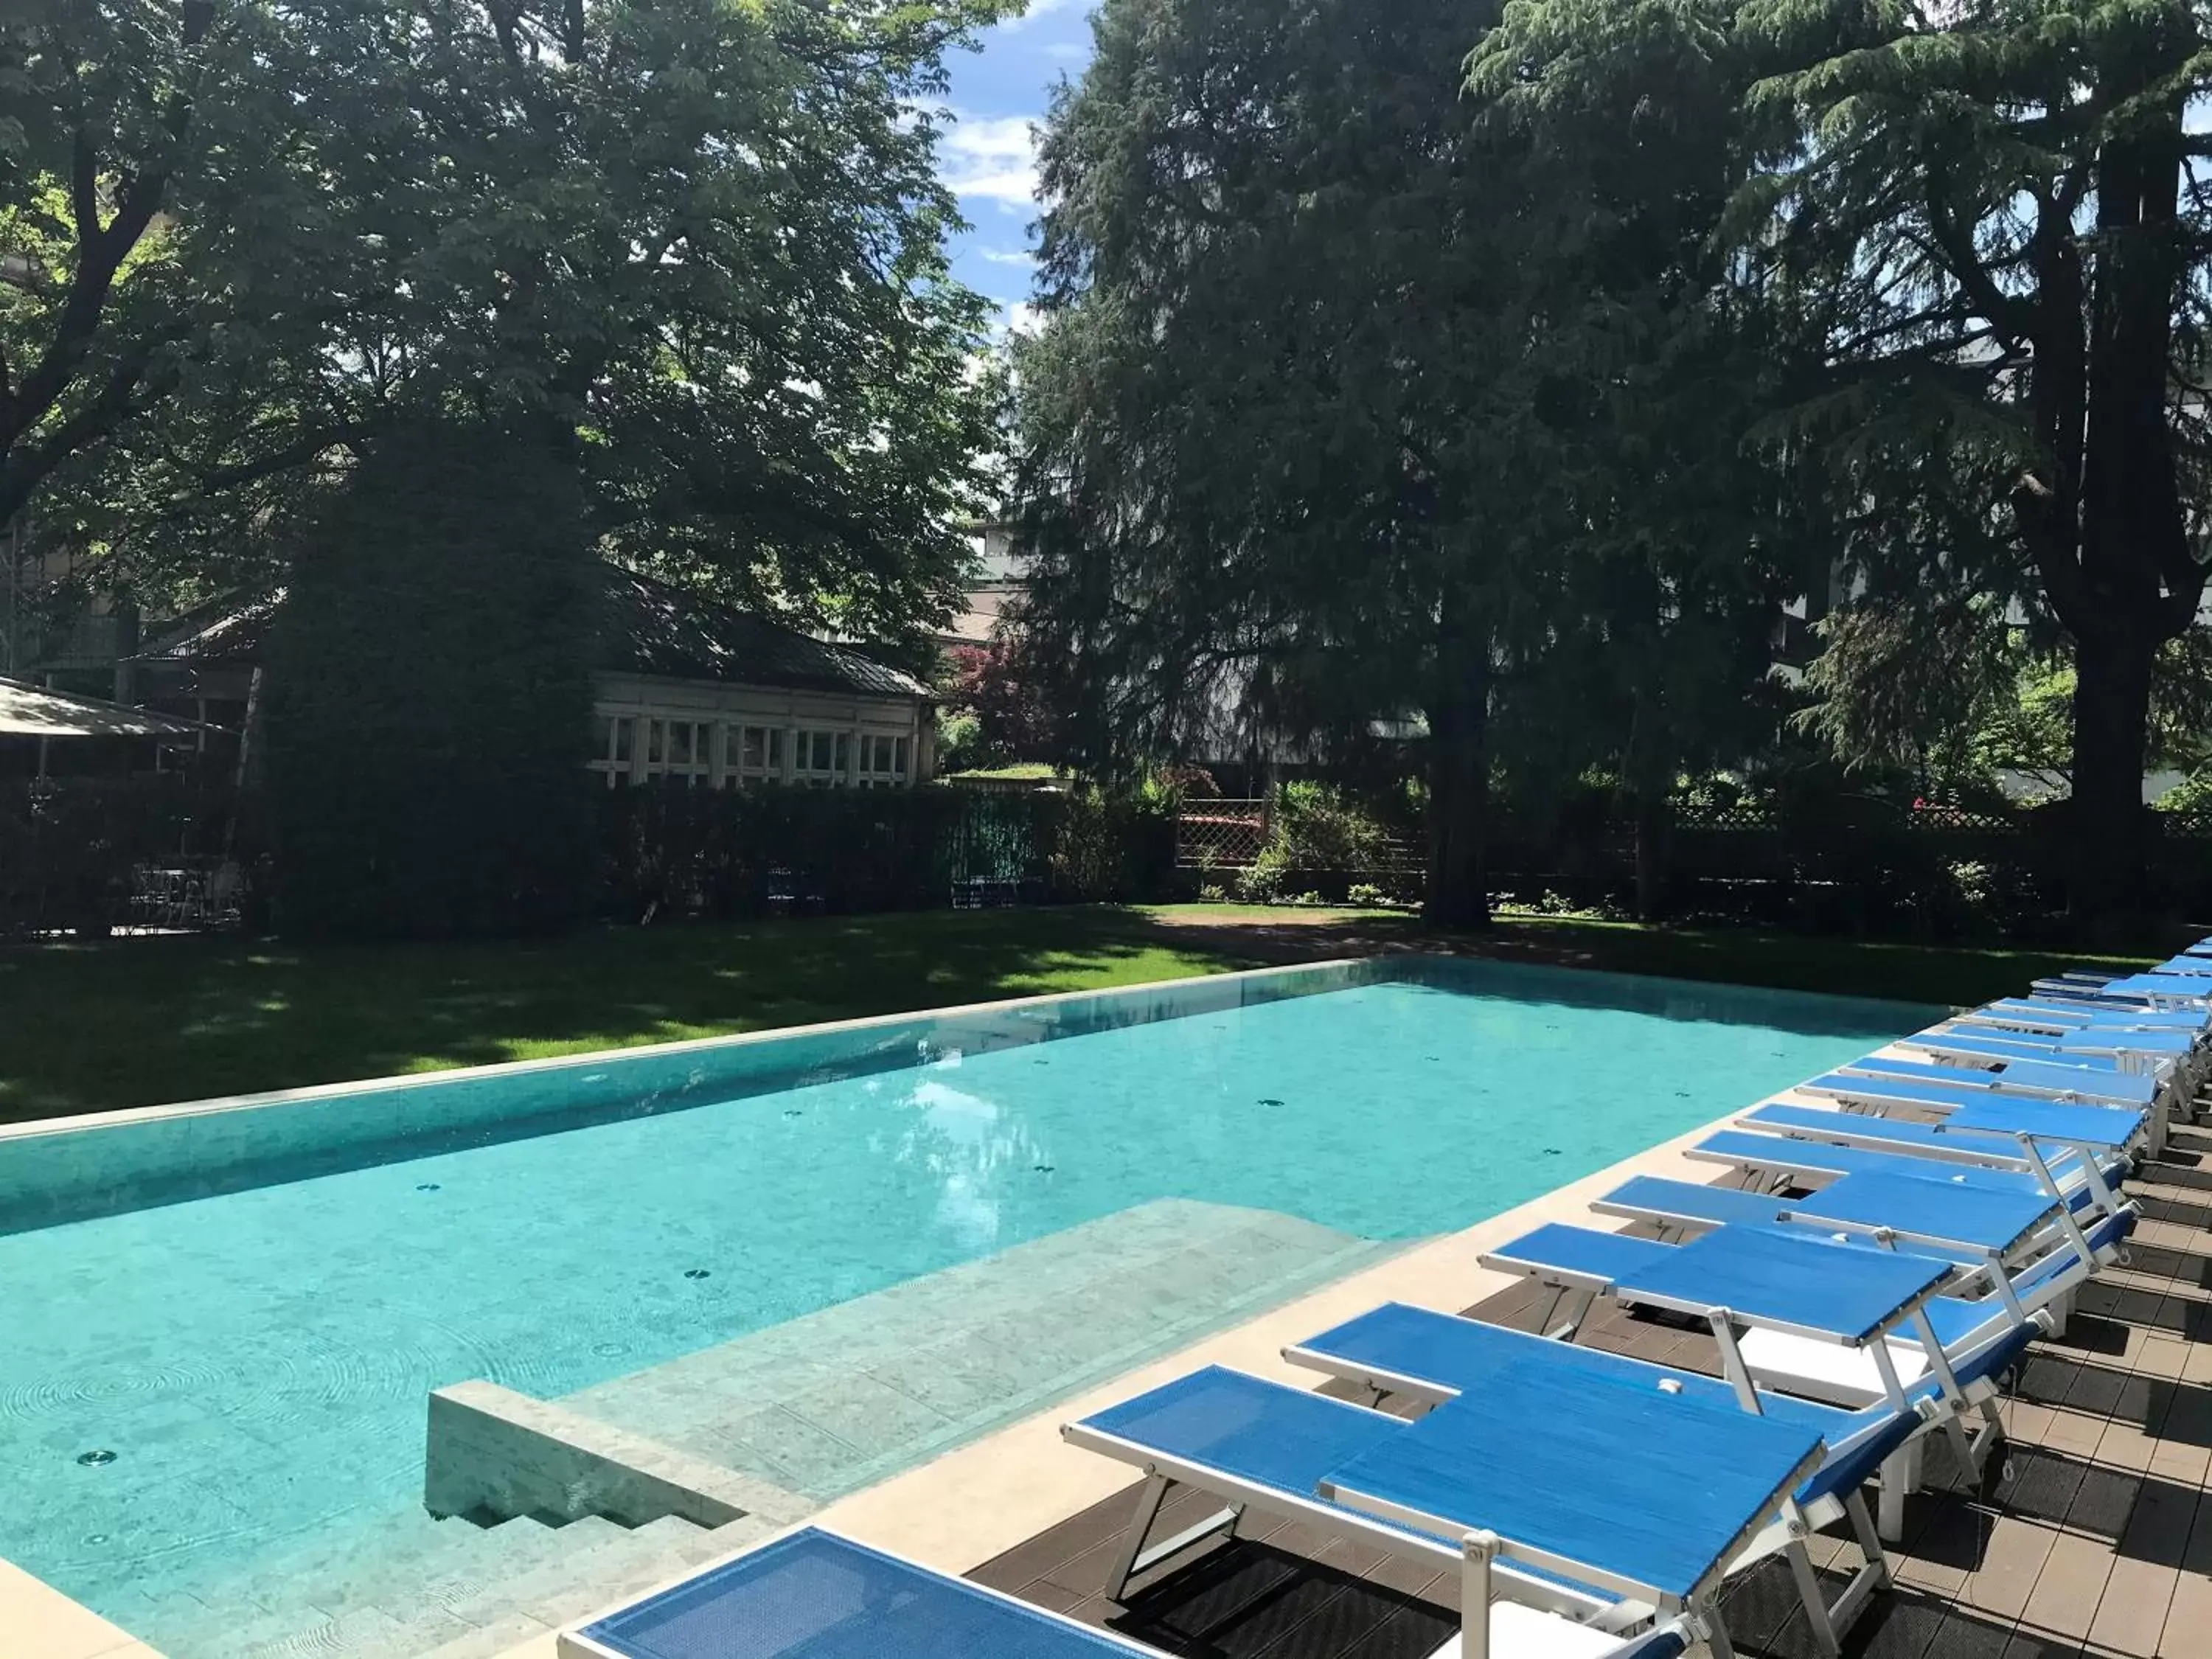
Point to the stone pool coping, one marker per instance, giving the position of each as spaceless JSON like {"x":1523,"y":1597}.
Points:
{"x":969,"y":1504}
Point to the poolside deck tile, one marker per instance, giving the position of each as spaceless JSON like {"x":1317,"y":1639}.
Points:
{"x":2089,"y":1537}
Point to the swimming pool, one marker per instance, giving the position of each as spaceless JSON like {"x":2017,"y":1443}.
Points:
{"x":247,"y":1308}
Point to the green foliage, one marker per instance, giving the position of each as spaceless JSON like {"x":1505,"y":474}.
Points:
{"x":992,"y":686}
{"x":429,"y":696}
{"x":2191,"y":797}
{"x":960,"y":746}
{"x":704,"y":236}
{"x":1315,"y":829}
{"x":1318,"y":828}
{"x":1993,"y":211}
{"x":1360,"y":399}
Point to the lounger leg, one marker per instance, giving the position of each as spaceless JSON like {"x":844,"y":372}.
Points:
{"x":1808,"y":1592}
{"x":1148,"y":1510}
{"x":1869,"y":1541}
{"x":1969,"y":1455}
{"x":1900,"y":1473}
{"x":1575,"y":1304}
{"x":1476,"y":1552}
{"x":1716,"y":1636}
{"x":1135,"y":1558}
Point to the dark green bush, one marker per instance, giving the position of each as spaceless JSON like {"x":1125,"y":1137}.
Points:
{"x":429,"y":695}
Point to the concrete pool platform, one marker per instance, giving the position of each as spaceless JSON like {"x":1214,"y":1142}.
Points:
{"x":2092,"y":1541}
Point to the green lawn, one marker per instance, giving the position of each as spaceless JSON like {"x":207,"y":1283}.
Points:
{"x":135,"y":1022}
{"x":1841,"y":966}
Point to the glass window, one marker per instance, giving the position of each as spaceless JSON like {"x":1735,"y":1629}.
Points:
{"x":775,"y":749}
{"x":679,"y":743}
{"x":899,"y":765}
{"x":623,"y":727}
{"x":656,"y":742}
{"x":844,"y":752}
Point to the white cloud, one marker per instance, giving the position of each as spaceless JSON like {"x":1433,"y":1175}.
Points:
{"x":1023,"y":318}
{"x":1007,"y":256}
{"x":1037,"y":8}
{"x":992,"y":157}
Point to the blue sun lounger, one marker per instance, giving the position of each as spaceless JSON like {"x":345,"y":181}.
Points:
{"x":1988,"y":1107}
{"x":1780,"y":1156}
{"x":1977,"y":1230}
{"x":2189,"y":991}
{"x":1433,"y":1357}
{"x":1429,"y":1357}
{"x":1981,"y":1047}
{"x":2157,"y":1051}
{"x":2063,"y":1173}
{"x":2041,"y":1014}
{"x":1593,"y":1501}
{"x":2035,"y":1080}
{"x":813,"y":1595}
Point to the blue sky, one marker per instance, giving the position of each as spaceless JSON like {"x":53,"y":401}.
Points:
{"x":987,"y":156}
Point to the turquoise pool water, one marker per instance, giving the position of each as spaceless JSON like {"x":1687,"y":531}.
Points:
{"x":257,"y":1360}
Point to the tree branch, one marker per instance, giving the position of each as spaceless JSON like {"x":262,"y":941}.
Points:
{"x":2012,"y":316}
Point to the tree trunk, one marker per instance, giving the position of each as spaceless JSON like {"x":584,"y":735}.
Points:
{"x":2111,"y":721}
{"x":1654,"y":819}
{"x":1651,"y":775}
{"x":2137,"y":583}
{"x":1459,"y":775}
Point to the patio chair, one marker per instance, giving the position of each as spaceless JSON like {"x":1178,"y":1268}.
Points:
{"x":1264,"y":1448}
{"x":1584,"y":1263}
{"x":2153,"y":989}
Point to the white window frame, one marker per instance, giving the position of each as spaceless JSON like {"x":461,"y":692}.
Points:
{"x":806,"y":741}
{"x":739,"y":767}
{"x":883,"y":760}
{"x":615,"y":738}
{"x":658,"y":759}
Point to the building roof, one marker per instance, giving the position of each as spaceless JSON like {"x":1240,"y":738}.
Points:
{"x":31,"y":711}
{"x":650,"y":628}
{"x":645,"y":628}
